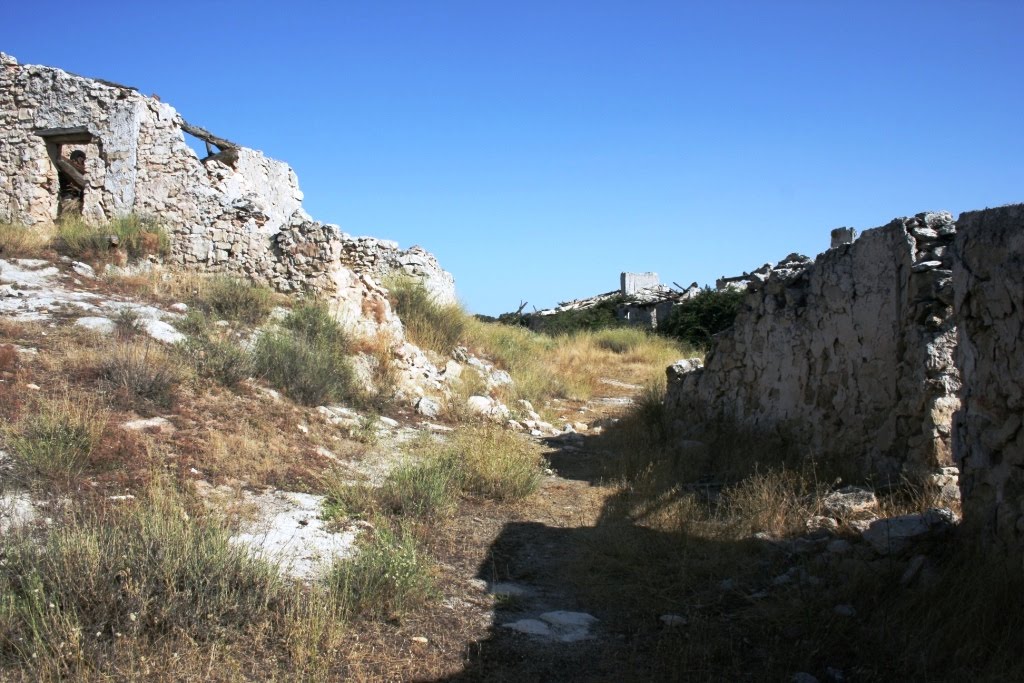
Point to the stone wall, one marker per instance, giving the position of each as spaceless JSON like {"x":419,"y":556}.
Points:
{"x":245,"y":217}
{"x":988,"y":279}
{"x":850,"y":356}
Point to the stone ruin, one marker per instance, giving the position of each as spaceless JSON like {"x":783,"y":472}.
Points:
{"x":896,"y":354}
{"x":988,"y":438}
{"x":234,"y":211}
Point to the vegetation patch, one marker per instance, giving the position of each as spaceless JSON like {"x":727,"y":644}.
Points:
{"x":233,"y":298}
{"x":133,"y":236}
{"x":389,"y":577}
{"x":55,"y":437}
{"x":697,"y":320}
{"x":141,"y":371}
{"x":429,"y":324}
{"x":308,"y":358}
{"x":22,"y":241}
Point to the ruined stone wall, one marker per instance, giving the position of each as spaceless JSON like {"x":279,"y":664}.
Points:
{"x":851,"y":356}
{"x":244,"y":218}
{"x":988,"y":279}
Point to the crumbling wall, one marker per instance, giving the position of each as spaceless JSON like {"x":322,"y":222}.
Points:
{"x":988,"y":279}
{"x":851,"y":355}
{"x":241,"y":215}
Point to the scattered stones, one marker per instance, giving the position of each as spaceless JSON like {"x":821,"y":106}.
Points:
{"x":559,"y":626}
{"x":894,"y":535}
{"x":850,"y":501}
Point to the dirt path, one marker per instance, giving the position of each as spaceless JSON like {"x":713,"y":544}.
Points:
{"x":531,"y":560}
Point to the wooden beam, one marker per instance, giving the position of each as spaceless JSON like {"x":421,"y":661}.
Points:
{"x":76,"y":177}
{"x":207,"y":136}
{"x":76,"y":135}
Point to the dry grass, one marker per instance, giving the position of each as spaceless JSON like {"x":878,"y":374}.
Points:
{"x":141,"y":372}
{"x":428,"y":324}
{"x":572,"y":366}
{"x":21,"y":241}
{"x":55,"y":436}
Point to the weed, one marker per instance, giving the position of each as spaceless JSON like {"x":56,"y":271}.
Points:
{"x":134,"y":236}
{"x":127,"y":323}
{"x":54,"y":439}
{"x":22,"y":241}
{"x":389,"y":576}
{"x":308,"y":359}
{"x":222,"y":360}
{"x":141,"y":370}
{"x":233,"y":298}
{"x":428,"y":323}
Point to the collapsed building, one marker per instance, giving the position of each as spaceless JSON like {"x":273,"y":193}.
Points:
{"x":641,"y":300}
{"x":233,"y":211}
{"x":895,"y":355}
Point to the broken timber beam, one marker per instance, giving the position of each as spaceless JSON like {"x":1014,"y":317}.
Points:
{"x":76,"y":176}
{"x":207,"y":136}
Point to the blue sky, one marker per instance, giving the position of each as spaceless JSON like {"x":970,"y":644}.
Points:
{"x":540,"y":148}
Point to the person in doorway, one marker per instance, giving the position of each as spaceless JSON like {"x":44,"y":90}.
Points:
{"x":72,"y":187}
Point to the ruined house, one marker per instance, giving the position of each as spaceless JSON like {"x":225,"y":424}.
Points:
{"x":233,"y":211}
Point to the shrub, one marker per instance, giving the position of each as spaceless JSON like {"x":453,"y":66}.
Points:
{"x":388,"y":577}
{"x":308,"y":359}
{"x":21,"y":241}
{"x":236,"y":299}
{"x":697,"y":320}
{"x":496,"y":463}
{"x":221,"y":360}
{"x":141,"y":370}
{"x":429,"y":324}
{"x":601,"y":316}
{"x":127,"y":323}
{"x":141,"y":573}
{"x":55,"y":439}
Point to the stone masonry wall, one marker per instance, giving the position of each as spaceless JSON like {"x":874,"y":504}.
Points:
{"x":988,"y":279}
{"x":850,"y":355}
{"x":245,"y":218}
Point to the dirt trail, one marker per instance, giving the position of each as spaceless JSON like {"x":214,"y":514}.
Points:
{"x":529,"y":559}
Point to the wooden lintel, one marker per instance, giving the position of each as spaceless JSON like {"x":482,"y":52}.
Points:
{"x":76,"y":135}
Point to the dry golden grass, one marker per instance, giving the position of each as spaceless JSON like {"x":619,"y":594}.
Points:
{"x":20,"y":241}
{"x":572,"y":366}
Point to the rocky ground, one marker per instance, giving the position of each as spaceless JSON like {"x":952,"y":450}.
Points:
{"x":595,"y":577}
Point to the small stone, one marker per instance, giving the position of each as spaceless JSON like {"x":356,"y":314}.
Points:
{"x":428,"y":407}
{"x":673,"y":620}
{"x":33,"y":387}
{"x":178,"y":308}
{"x":157,"y":425}
{"x":419,"y":640}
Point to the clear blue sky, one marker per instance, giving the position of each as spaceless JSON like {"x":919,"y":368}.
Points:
{"x":540,"y":148}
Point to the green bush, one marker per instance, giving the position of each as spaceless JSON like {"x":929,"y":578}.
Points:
{"x":221,"y":360}
{"x":602,"y":316}
{"x":697,"y":320}
{"x":144,"y":572}
{"x":235,"y":299}
{"x":429,"y":324}
{"x":142,"y":370}
{"x":54,"y":441}
{"x":309,"y":358}
{"x":389,"y":576}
